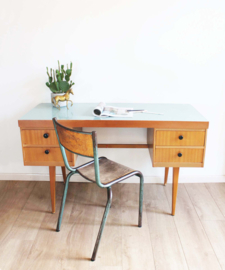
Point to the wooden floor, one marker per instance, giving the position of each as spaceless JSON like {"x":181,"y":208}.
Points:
{"x":193,"y":239}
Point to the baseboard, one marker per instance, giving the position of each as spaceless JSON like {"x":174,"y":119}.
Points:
{"x":148,"y":179}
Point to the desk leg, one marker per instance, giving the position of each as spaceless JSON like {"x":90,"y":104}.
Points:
{"x":52,"y":186}
{"x":174,"y":190}
{"x":64,"y":174}
{"x":166,"y":176}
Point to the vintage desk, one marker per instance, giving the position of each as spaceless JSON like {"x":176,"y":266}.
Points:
{"x":177,"y":138}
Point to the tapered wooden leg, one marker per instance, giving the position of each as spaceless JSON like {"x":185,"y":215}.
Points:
{"x":52,"y":186}
{"x":174,"y":191}
{"x":166,"y":176}
{"x":64,"y":174}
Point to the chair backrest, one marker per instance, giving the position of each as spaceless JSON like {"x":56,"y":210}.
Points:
{"x":78,"y":142}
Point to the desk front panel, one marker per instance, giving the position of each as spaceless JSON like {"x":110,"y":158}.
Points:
{"x":31,"y":137}
{"x":177,"y":147}
{"x":180,"y":155}
{"x":180,"y":138}
{"x":41,"y":148}
{"x":45,"y":156}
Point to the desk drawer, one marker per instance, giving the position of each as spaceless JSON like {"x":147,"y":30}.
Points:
{"x":179,"y":138}
{"x":193,"y":155}
{"x":39,"y":156}
{"x":32,"y":137}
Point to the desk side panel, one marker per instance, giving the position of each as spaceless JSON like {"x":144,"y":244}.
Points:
{"x":150,"y":142}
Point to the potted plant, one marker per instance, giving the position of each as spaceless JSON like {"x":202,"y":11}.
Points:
{"x":59,"y":82}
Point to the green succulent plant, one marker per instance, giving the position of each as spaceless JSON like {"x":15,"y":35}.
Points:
{"x":59,"y":79}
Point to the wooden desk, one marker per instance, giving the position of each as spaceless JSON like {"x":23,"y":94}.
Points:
{"x":175,"y":139}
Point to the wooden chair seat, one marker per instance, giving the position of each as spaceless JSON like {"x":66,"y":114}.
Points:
{"x":109,"y":171}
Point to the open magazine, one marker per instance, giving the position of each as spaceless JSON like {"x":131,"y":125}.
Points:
{"x":103,"y":110}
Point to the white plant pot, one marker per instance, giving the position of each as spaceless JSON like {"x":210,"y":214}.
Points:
{"x":61,"y":103}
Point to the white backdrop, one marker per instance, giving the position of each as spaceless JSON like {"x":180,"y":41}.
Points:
{"x":122,"y":51}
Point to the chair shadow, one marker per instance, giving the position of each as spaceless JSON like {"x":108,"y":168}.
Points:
{"x":161,"y":212}
{"x":48,"y":229}
{"x":31,"y":209}
{"x":82,"y":259}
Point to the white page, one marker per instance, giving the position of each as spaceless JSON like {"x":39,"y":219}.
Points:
{"x":103,"y":110}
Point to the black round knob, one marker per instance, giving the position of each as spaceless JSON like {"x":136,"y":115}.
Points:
{"x":46,"y":152}
{"x":46,"y":135}
{"x":179,"y":155}
{"x":181,"y":137}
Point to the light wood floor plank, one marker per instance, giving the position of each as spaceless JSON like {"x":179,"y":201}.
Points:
{"x":42,"y":254}
{"x":217,"y":190}
{"x":136,"y":241}
{"x":110,"y":249}
{"x":3,"y":185}
{"x":193,"y":239}
{"x":26,"y":227}
{"x":197,"y":248}
{"x":203,"y":202}
{"x":167,"y":248}
{"x":29,"y":221}
{"x":14,"y":253}
{"x":72,"y":244}
{"x":80,"y":228}
{"x":14,"y":198}
{"x":216,"y":233}
{"x":106,"y":267}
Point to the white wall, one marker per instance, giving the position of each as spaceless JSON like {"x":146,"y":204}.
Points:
{"x":122,"y":51}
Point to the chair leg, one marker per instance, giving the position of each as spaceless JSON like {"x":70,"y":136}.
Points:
{"x":141,"y":200}
{"x":109,"y":201}
{"x":63,"y":201}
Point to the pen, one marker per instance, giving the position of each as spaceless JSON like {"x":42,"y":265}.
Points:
{"x":135,"y":110}
{"x":143,"y":111}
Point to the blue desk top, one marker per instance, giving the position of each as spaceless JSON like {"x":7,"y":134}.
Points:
{"x":83,"y":111}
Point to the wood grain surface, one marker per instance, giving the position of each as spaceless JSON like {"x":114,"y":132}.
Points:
{"x":171,"y":138}
{"x":193,"y":239}
{"x":78,"y":143}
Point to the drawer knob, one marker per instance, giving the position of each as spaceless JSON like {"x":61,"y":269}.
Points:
{"x":181,"y":137}
{"x":46,"y":135}
{"x":179,"y":154}
{"x":46,"y":152}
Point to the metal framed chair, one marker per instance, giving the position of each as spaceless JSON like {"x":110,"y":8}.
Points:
{"x":100,"y":170}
